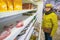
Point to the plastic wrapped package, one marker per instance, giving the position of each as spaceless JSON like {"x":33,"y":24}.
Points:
{"x":17,"y":4}
{"x":19,"y":24}
{"x":3,"y":6}
{"x":4,"y":34}
{"x":27,"y":6}
{"x":9,"y":5}
{"x":34,"y":35}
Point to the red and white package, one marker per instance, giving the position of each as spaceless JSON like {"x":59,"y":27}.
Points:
{"x":19,"y":24}
{"x":11,"y":26}
{"x":4,"y":35}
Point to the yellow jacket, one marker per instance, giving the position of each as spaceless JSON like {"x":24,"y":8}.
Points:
{"x":48,"y":24}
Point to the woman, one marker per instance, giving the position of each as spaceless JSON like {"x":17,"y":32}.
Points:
{"x":50,"y":22}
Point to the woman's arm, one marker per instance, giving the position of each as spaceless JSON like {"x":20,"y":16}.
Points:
{"x":55,"y":24}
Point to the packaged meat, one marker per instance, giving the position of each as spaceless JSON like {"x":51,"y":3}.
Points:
{"x":11,"y":26}
{"x":19,"y":24}
{"x":4,"y":35}
{"x":7,"y":28}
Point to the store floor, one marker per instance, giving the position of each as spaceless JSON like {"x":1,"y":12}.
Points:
{"x":57,"y":35}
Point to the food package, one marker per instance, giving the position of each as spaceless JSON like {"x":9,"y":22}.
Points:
{"x":19,"y":24}
{"x":17,"y":4}
{"x":3,"y":6}
{"x":33,"y":37}
{"x":4,"y":35}
{"x":6,"y":32}
{"x":27,"y":6}
{"x":9,"y":5}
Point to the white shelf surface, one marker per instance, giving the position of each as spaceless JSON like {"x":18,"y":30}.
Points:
{"x":28,"y":36}
{"x":11,"y":13}
{"x":30,"y":33}
{"x":15,"y":31}
{"x":23,"y":37}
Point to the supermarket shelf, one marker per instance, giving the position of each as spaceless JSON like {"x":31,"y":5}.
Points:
{"x":23,"y":37}
{"x":29,"y":35}
{"x":11,"y":13}
{"x":15,"y":31}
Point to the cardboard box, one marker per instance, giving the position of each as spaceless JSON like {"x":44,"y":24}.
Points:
{"x":27,"y":6}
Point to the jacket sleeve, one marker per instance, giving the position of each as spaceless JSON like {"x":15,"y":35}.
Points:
{"x":55,"y":24}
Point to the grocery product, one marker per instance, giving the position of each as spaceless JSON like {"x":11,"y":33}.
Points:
{"x":11,"y":26}
{"x":27,"y":6}
{"x":33,"y":37}
{"x":4,"y":35}
{"x":19,"y":24}
{"x":9,"y":4}
{"x":17,"y":4}
{"x":27,"y":14}
{"x":3,"y":6}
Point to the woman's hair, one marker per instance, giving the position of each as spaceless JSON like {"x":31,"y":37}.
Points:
{"x":45,"y":12}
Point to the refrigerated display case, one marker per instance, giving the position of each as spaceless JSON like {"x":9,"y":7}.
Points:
{"x":9,"y":20}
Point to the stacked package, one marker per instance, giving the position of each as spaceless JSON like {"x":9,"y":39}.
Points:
{"x":10,"y":5}
{"x":17,"y":4}
{"x":3,"y":6}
